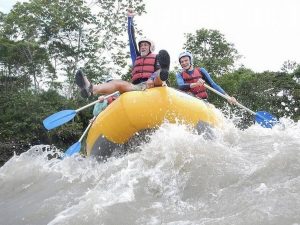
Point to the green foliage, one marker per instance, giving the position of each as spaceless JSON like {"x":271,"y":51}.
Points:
{"x":296,"y":72}
{"x":172,"y":79}
{"x":127,"y":76}
{"x":73,"y":35}
{"x":211,"y":51}
{"x":277,"y":93}
{"x":22,"y":113}
{"x":25,"y":59}
{"x":289,"y":66}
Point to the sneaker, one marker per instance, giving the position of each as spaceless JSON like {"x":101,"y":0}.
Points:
{"x":84,"y":84}
{"x":164,"y":62}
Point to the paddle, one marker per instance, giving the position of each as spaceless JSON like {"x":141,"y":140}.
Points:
{"x":263,"y":118}
{"x":65,"y":116}
{"x":75,"y":148}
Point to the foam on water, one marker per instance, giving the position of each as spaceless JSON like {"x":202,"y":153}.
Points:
{"x":241,"y":177}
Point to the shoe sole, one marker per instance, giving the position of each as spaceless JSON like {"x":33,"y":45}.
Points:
{"x":164,"y":75}
{"x":81,"y":84}
{"x":79,"y":79}
{"x":164,"y":62}
{"x":164,"y":59}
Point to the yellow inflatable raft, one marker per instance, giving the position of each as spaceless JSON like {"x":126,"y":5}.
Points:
{"x":137,"y":111}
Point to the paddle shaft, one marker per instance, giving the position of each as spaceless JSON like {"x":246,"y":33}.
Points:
{"x":228,"y":98}
{"x":86,"y":130}
{"x":93,"y":103}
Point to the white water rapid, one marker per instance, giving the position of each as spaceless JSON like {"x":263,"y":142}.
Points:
{"x":243,"y":177}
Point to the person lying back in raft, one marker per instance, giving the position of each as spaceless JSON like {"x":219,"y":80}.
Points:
{"x":149,"y":69}
{"x":191,"y":79}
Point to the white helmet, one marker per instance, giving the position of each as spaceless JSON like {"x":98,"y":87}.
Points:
{"x":151,"y":43}
{"x":186,"y":53}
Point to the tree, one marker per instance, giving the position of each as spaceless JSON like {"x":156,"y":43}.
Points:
{"x":25,"y":60}
{"x":274,"y":92}
{"x":74,"y":35}
{"x":289,"y":66}
{"x":212,"y":51}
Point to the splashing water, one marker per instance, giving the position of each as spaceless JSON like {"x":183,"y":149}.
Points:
{"x":247,"y":176}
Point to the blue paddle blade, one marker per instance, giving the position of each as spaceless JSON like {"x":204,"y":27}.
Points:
{"x":75,"y":148}
{"x":265,"y":119}
{"x":58,"y":118}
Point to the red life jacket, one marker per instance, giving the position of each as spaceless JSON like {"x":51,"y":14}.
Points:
{"x":199,"y":91}
{"x":143,"y":67}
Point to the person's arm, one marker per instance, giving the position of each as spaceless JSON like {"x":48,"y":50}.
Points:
{"x":210,"y":81}
{"x":180,"y":82}
{"x":132,"y":42}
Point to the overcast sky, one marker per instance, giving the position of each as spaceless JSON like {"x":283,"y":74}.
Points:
{"x":6,"y":5}
{"x":265,"y":32}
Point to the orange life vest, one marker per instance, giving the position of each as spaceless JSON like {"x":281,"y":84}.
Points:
{"x":199,"y":91}
{"x":143,"y":67}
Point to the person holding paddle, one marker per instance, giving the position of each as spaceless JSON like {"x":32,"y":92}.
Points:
{"x":192,"y":79}
{"x":149,"y":69}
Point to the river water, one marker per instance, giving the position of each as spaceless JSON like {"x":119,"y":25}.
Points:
{"x":241,"y":177}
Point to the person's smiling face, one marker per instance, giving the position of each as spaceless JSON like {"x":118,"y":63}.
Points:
{"x":185,"y":62}
{"x":144,"y":48}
